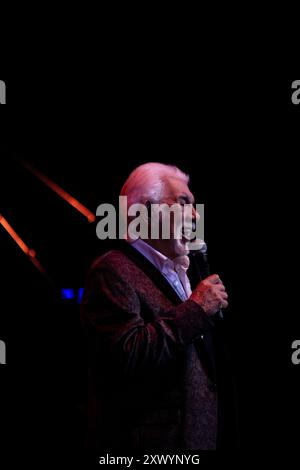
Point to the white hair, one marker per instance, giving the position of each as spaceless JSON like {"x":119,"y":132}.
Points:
{"x":147,"y":182}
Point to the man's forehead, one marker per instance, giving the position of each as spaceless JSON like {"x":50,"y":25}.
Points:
{"x":177,"y":187}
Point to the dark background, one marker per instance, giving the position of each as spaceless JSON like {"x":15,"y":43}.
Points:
{"x":238,"y":139}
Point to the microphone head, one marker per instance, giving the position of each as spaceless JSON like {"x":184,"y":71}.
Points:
{"x":203,"y":246}
{"x":199,"y":246}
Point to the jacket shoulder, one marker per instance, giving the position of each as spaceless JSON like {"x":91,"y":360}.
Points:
{"x":113,"y":260}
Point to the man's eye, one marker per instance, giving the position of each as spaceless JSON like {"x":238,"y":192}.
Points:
{"x":182,"y":202}
{"x":185,"y":203}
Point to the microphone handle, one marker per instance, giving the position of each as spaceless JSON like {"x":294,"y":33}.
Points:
{"x":204,"y":270}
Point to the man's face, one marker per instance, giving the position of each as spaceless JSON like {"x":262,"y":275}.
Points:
{"x":177,"y":192}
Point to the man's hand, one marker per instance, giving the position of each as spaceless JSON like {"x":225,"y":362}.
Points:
{"x":210,"y":294}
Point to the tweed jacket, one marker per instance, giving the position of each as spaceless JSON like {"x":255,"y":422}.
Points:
{"x":151,"y":382}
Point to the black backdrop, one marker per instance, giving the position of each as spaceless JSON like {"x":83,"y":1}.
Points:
{"x":238,"y":141}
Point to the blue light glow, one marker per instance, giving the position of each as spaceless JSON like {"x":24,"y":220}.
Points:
{"x":80,"y":294}
{"x":67,"y":294}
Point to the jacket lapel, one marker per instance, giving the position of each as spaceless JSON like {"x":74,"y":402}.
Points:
{"x":150,"y":270}
{"x":203,"y":347}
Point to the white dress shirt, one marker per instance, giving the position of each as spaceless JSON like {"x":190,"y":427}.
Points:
{"x":173,"y":270}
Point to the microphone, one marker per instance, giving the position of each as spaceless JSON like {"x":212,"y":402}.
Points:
{"x":199,"y":255}
{"x":201,"y":262}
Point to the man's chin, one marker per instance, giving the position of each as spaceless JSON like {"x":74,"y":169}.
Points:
{"x":181,"y":247}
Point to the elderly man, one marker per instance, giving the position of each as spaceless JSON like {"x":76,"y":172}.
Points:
{"x":152,"y":384}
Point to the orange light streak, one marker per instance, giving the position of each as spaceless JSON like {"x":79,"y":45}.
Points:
{"x":60,"y":192}
{"x":29,"y":252}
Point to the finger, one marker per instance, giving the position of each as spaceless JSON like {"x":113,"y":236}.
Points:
{"x":223,"y":303}
{"x":214,"y":279}
{"x":222,"y":297}
{"x":220,"y":287}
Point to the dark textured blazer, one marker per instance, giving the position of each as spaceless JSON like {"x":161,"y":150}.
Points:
{"x":151,"y":383}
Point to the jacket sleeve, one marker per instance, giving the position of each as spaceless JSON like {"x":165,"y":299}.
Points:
{"x":112,"y":315}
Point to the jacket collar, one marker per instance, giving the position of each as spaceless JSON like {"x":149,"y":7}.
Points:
{"x":149,"y":269}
